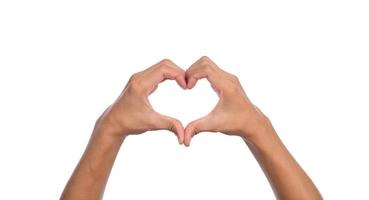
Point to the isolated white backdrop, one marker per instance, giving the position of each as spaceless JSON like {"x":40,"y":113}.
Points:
{"x":304,"y":63}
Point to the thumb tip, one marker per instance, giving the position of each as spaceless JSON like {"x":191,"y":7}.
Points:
{"x":180,"y":141}
{"x":187,"y":142}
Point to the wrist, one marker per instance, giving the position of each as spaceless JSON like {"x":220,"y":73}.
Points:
{"x":262,"y":133}
{"x":265,"y":142}
{"x":105,"y":137}
{"x":109,"y":128}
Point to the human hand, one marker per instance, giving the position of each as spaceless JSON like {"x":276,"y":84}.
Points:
{"x":234,"y":114}
{"x":132,"y":112}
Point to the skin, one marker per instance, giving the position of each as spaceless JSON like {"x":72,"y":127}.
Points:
{"x":234,"y":114}
{"x":130,"y":114}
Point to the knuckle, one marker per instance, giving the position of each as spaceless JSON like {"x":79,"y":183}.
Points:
{"x":171,"y":128}
{"x":206,"y":64}
{"x":165,"y":65}
{"x":233,"y":87}
{"x":175,"y":121}
{"x":135,"y":86}
{"x":135,"y":76}
{"x":166,"y":62}
{"x":234,"y":78}
{"x":196,"y":130}
{"x":205,"y":58}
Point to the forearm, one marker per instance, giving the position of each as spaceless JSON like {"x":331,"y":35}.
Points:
{"x":287,"y":178}
{"x":92,"y":172}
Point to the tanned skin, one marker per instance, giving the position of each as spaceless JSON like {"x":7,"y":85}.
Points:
{"x":234,"y":114}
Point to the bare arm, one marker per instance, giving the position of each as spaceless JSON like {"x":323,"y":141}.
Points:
{"x":131,"y":113}
{"x":91,"y":174}
{"x":287,"y":178}
{"x":234,"y":114}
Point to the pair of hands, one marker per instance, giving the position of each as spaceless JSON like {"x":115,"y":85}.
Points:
{"x":234,"y":114}
{"x":132,"y":113}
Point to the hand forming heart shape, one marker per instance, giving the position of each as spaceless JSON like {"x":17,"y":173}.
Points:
{"x":234,"y":114}
{"x":132,"y":112}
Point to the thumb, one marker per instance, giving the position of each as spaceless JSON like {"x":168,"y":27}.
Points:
{"x":171,"y":124}
{"x":195,"y":127}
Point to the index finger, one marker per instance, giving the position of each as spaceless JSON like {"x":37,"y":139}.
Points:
{"x":203,"y":68}
{"x":161,"y":71}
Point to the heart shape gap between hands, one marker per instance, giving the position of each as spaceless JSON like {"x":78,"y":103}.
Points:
{"x":185,"y":105}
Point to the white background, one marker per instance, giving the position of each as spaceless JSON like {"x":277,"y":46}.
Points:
{"x":304,"y":63}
